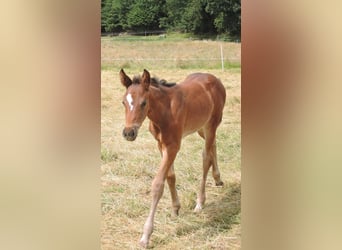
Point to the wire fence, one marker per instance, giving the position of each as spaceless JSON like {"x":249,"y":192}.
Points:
{"x":220,"y":61}
{"x":169,"y":52}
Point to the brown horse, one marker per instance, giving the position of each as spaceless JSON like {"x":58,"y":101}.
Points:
{"x":195,"y":105}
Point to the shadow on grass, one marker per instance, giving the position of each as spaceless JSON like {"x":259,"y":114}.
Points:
{"x":220,"y":214}
{"x":217,"y":217}
{"x":225,"y":212}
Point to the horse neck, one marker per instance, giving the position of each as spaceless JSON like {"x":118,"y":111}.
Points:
{"x":159,"y":103}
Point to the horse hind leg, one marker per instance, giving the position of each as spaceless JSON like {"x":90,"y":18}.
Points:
{"x":207,"y":162}
{"x":209,"y":159}
{"x":171,"y":180}
{"x":215,"y":170}
{"x":213,"y":154}
{"x":201,"y":195}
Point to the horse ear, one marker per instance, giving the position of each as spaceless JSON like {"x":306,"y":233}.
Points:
{"x":146,"y":79}
{"x":125,"y":80}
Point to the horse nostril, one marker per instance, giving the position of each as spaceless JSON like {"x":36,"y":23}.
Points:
{"x":130,"y":133}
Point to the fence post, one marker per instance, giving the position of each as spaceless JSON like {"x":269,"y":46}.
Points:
{"x":222,"y":62}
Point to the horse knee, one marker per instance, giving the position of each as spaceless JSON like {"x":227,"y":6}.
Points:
{"x":157,"y":189}
{"x":171,"y":177}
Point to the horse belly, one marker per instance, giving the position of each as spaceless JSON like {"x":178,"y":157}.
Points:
{"x":198,"y":114}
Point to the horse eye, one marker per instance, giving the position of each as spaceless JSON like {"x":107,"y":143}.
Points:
{"x":143,"y":104}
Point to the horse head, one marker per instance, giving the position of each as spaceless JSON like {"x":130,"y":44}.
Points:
{"x":136,"y":102}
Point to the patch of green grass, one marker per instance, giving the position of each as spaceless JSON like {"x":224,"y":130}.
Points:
{"x":108,"y":155}
{"x":106,"y":66}
{"x":232,"y":65}
{"x":114,"y":189}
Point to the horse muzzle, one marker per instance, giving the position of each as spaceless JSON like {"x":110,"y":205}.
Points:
{"x":130,"y":133}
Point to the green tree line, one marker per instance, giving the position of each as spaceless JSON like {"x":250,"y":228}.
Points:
{"x":193,"y":16}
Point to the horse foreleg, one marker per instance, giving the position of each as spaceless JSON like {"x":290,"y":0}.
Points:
{"x":171,"y":180}
{"x":169,"y":154}
{"x":157,"y":192}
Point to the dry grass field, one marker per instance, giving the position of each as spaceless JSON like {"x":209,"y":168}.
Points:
{"x":129,"y":167}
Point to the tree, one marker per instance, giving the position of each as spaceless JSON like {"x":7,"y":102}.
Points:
{"x":114,"y":14}
{"x":227,"y":15}
{"x":145,"y":14}
{"x":196,"y":19}
{"x":107,"y":22}
{"x":194,"y":16}
{"x":174,"y":10}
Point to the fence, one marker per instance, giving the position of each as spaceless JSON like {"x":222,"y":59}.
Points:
{"x":156,"y":52}
{"x":177,"y":60}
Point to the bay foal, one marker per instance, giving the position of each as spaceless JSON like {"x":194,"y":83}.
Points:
{"x":195,"y":105}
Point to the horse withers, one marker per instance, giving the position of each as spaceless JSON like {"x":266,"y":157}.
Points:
{"x":174,"y":111}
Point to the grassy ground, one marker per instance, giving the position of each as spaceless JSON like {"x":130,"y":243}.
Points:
{"x":129,"y":167}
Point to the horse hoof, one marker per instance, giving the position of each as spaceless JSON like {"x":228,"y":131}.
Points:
{"x":143,"y":244}
{"x":198,"y":208}
{"x":219,"y":184}
{"x":174,"y":214}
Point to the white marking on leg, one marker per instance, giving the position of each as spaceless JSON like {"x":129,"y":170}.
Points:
{"x":198,"y":208}
{"x":130,"y":101}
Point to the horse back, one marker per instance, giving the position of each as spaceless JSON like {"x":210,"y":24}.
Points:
{"x":199,"y":85}
{"x":203,"y":98}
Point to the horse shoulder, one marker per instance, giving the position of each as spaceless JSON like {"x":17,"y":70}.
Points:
{"x":177,"y":104}
{"x":154,"y":129}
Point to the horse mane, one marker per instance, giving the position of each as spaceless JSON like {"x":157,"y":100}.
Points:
{"x":155,"y":81}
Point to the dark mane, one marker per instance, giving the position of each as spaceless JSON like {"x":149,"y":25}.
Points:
{"x":156,"y":82}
